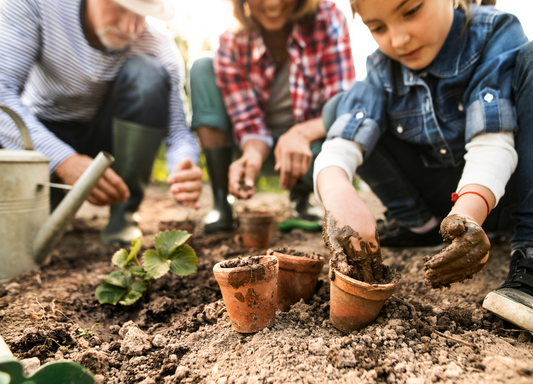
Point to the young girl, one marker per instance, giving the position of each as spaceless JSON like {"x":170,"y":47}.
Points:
{"x":271,"y":77}
{"x":438,"y":113}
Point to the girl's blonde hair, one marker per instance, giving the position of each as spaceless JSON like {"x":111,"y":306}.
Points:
{"x":241,"y":11}
{"x":462,"y":4}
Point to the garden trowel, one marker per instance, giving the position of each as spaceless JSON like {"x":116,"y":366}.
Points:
{"x":56,"y":372}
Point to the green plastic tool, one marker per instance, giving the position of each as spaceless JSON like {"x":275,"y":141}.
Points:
{"x":56,"y":372}
{"x":305,"y":225}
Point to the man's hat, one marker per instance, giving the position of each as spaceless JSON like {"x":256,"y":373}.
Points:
{"x":160,"y":9}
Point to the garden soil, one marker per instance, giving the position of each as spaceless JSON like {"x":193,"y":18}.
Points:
{"x":181,"y":333}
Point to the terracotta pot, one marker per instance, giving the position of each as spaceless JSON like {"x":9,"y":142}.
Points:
{"x":354,"y":304}
{"x":256,"y":229}
{"x":186,"y":225}
{"x":297,"y":278}
{"x":249,"y":293}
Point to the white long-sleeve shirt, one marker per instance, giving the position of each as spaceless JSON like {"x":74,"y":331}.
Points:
{"x":490,"y":161}
{"x":48,"y":70}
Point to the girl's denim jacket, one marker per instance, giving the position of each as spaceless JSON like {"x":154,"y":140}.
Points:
{"x":465,"y":91}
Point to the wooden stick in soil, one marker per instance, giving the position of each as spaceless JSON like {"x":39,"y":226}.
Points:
{"x":415,"y":316}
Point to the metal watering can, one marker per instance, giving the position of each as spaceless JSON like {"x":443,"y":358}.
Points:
{"x":27,"y":230}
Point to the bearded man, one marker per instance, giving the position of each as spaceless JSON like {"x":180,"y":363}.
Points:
{"x":92,"y":75}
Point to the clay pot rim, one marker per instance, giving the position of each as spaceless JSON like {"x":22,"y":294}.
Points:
{"x":362,"y":284}
{"x":299,"y":263}
{"x":293,"y":257}
{"x":265,"y":262}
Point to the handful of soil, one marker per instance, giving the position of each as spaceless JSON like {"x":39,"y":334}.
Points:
{"x":467,"y":246}
{"x":365,"y":264}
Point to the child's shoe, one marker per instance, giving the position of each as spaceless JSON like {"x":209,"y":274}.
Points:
{"x":513,"y":301}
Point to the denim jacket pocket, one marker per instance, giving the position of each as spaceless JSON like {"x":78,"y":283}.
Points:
{"x":450,"y":106}
{"x":406,"y":124}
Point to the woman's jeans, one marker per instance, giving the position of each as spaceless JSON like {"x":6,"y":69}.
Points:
{"x":208,"y":109}
{"x":413,"y":193}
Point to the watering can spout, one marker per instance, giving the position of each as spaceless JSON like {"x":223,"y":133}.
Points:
{"x":55,"y":225}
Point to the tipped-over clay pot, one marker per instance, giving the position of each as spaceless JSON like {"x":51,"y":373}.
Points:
{"x":256,"y":229}
{"x":297,"y":278}
{"x":249,"y":291}
{"x":355,"y":304}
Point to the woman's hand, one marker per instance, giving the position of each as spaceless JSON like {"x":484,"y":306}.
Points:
{"x":244,"y":171}
{"x":466,"y":254}
{"x":110,"y":189}
{"x":293,"y":153}
{"x":293,"y":157}
{"x":186,"y":183}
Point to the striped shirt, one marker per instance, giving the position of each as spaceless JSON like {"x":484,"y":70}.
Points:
{"x":48,"y":70}
{"x":321,"y":65}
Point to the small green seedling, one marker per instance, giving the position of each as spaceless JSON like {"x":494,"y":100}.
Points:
{"x":86,"y":333}
{"x":128,"y":284}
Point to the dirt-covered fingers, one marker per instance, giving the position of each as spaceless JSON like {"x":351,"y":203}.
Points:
{"x":436,"y":280}
{"x":236,"y":177}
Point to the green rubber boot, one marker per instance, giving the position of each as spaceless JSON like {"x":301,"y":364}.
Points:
{"x":222,"y":216}
{"x":135,"y":147}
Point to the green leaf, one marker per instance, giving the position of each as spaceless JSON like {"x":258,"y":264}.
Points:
{"x":154,"y":264}
{"x":137,"y":271}
{"x":135,"y":248}
{"x":117,"y":278}
{"x":134,"y":294}
{"x":166,"y":241}
{"x":109,"y":294}
{"x":184,"y":260}
{"x":119,"y":258}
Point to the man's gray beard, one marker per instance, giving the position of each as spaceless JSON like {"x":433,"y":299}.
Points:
{"x":104,"y":35}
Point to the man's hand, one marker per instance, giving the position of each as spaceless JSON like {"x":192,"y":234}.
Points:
{"x":110,"y":189}
{"x":293,"y":157}
{"x":466,"y":254}
{"x":186,"y":183}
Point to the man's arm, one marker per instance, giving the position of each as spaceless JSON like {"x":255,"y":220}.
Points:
{"x":20,"y":42}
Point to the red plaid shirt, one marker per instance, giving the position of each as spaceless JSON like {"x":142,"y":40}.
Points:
{"x":321,"y":66}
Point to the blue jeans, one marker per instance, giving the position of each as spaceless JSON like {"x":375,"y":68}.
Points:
{"x":414,"y":193}
{"x":140,"y":94}
{"x":208,"y":109}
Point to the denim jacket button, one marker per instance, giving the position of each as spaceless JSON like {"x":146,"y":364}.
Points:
{"x":359,"y":115}
{"x":399,"y":128}
{"x":488,"y":98}
{"x":443,"y":151}
{"x":460,"y":107}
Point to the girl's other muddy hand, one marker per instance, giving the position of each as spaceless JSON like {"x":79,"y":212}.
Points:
{"x":466,"y":254}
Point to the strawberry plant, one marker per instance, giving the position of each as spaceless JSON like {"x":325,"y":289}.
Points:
{"x":128,"y":284}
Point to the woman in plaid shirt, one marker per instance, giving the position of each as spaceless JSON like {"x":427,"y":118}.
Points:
{"x":267,"y":85}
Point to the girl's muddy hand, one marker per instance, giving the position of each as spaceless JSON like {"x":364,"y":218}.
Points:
{"x":466,"y":254}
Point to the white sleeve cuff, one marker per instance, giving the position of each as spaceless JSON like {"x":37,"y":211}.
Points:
{"x":490,"y":161}
{"x":338,"y":152}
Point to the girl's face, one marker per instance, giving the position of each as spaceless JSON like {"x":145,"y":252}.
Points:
{"x":409,"y":31}
{"x":272,"y":15}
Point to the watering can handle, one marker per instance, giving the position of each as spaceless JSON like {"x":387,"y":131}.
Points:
{"x":24,"y":133}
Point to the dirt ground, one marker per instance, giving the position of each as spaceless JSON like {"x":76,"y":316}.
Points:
{"x":181,"y":332}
